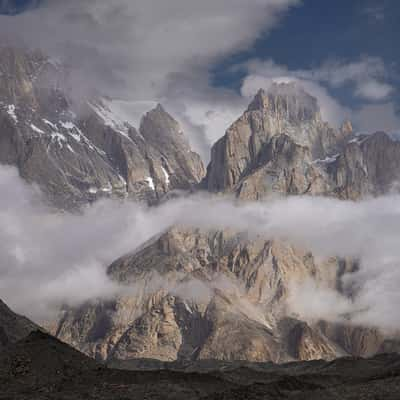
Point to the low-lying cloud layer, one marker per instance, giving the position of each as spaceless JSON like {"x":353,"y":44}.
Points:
{"x":47,"y":258}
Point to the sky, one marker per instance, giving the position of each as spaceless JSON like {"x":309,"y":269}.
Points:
{"x":204,"y":61}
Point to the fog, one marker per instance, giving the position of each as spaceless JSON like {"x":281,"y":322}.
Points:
{"x":48,"y":259}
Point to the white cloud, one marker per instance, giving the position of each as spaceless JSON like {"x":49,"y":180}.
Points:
{"x":48,"y":259}
{"x":373,"y":90}
{"x":145,"y":51}
{"x":331,"y":110}
{"x":138,"y":46}
{"x":366,"y":77}
{"x":153,"y":50}
{"x":378,"y":117}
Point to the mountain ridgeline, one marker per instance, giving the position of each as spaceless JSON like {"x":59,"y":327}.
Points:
{"x":279,"y":145}
{"x":78,"y":157}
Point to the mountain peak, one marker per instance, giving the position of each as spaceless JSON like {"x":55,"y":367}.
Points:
{"x":260,"y":101}
{"x":159,"y":108}
{"x":286,"y":100}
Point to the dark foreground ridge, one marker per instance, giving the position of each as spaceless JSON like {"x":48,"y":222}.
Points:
{"x":42,"y":367}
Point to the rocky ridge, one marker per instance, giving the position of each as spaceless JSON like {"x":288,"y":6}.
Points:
{"x":78,"y":157}
{"x":281,"y":145}
{"x":222,"y":295}
{"x":13,"y":327}
{"x":40,"y":367}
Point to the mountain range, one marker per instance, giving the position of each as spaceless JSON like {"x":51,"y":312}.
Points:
{"x":79,"y":151}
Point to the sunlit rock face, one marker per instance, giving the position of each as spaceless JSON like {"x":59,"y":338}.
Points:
{"x":222,"y":295}
{"x":79,"y":151}
{"x":281,"y":145}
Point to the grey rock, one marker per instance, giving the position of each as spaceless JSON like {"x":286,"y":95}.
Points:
{"x":280,"y":145}
{"x":78,"y":157}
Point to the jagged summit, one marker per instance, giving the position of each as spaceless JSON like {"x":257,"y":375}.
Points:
{"x":77,"y":159}
{"x":286,"y":100}
{"x":281,"y":127}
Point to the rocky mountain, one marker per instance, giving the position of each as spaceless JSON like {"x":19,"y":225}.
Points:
{"x":76,"y":156}
{"x":191,"y":294}
{"x":282,"y":145}
{"x":40,"y":367}
{"x":202,"y":295}
{"x":220,"y":295}
{"x":13,"y":327}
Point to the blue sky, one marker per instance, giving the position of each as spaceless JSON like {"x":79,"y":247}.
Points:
{"x":318,"y":31}
{"x":16,"y":6}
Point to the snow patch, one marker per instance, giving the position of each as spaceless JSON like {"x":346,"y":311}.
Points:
{"x":188,"y":309}
{"x":166,"y":175}
{"x":150,"y":182}
{"x":110,"y":118}
{"x":327,"y":160}
{"x":107,"y":189}
{"x":47,"y":122}
{"x":58,"y":138}
{"x":122,"y":179}
{"x":11,"y":112}
{"x":67,"y":125}
{"x":37,"y":130}
{"x":359,"y":139}
{"x":78,"y":136}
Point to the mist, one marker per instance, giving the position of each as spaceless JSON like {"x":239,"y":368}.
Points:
{"x":48,"y":259}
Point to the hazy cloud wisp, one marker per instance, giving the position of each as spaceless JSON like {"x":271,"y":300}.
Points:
{"x":47,"y":259}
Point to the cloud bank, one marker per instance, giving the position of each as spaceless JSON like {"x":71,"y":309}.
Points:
{"x":48,"y":259}
{"x":150,"y":50}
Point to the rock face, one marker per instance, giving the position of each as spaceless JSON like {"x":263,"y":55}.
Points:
{"x":77,"y":158}
{"x":199,"y":295}
{"x":276,"y":139}
{"x":13,"y":327}
{"x":281,"y":145}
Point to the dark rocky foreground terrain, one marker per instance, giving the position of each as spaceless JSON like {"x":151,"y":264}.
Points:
{"x":42,"y":367}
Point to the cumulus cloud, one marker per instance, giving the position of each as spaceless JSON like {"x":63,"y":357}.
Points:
{"x":331,"y":110}
{"x":48,"y":259}
{"x":378,"y":117}
{"x":367,"y":77}
{"x":373,"y":90}
{"x":143,"y":52}
{"x":149,"y":50}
